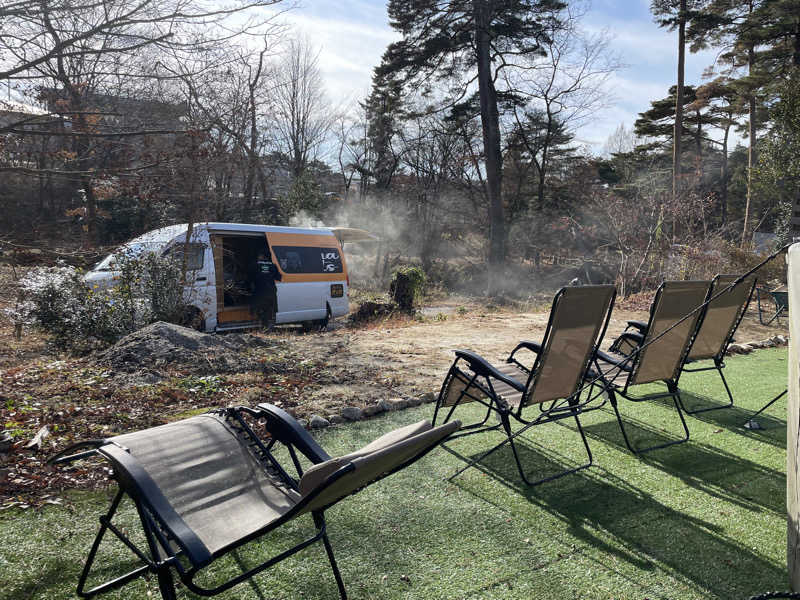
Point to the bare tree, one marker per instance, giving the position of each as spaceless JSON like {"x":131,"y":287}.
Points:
{"x":81,"y":57}
{"x":564,"y":88}
{"x":302,"y":113}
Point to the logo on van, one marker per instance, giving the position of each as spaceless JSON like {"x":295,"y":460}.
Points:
{"x":331,"y":263}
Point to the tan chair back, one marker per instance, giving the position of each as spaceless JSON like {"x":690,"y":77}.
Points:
{"x":374,"y":465}
{"x":722,"y":316}
{"x":577,"y":322}
{"x":663,"y":359}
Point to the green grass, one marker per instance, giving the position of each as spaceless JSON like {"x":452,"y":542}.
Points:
{"x":700,"y":520}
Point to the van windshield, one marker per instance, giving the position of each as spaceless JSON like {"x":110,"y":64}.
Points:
{"x":132,"y":249}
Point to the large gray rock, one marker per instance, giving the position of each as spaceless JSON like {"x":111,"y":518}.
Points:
{"x":318,"y":422}
{"x":352,"y":413}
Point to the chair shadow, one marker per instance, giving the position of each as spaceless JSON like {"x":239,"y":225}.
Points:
{"x":734,"y":417}
{"x":706,"y":468}
{"x":597,"y":505}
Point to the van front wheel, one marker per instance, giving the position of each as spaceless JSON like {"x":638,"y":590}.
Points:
{"x":193,"y":318}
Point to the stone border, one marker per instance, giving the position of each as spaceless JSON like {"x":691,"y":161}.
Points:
{"x":748,"y":347}
{"x":350,"y":414}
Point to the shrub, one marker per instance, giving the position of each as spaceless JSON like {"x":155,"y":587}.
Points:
{"x":79,"y":318}
{"x":407,"y":286}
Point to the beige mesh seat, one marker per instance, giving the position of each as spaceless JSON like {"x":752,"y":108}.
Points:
{"x":550,"y":384}
{"x":722,"y":316}
{"x":207,"y":485}
{"x":658,"y":354}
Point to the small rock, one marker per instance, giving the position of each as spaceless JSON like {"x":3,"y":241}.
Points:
{"x":398,"y":403}
{"x":352,"y":413}
{"x":429,"y":397}
{"x":6,"y":441}
{"x":385,"y":405}
{"x":318,"y":422}
{"x":767,"y":344}
{"x":303,"y":423}
{"x":336,"y":419}
{"x":780,"y":339}
{"x":250,"y":397}
{"x":40,"y":436}
{"x":372,"y":410}
{"x":414,"y":401}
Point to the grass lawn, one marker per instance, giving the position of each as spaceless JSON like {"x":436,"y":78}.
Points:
{"x":702,"y":520}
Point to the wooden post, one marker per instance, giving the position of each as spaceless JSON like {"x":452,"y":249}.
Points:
{"x":793,"y":421}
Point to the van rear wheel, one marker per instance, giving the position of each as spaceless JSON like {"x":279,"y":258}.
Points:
{"x":317,"y":324}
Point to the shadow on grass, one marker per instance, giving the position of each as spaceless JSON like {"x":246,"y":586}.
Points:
{"x":709,"y":469}
{"x":614,"y":517}
{"x":734,"y":417}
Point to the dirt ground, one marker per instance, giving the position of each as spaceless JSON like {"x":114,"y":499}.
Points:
{"x":411,"y":358}
{"x":316,"y":373}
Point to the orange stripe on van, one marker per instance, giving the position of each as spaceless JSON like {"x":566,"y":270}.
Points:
{"x":309,"y":240}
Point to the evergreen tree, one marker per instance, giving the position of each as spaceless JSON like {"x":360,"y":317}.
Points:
{"x":460,"y":43}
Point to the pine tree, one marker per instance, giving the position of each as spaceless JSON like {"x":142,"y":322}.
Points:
{"x":461,"y":43}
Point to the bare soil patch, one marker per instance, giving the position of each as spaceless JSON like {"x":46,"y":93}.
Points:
{"x":163,"y":373}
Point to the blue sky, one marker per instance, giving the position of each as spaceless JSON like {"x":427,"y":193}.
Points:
{"x":352,"y":35}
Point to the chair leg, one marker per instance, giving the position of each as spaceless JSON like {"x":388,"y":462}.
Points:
{"x":507,"y":427}
{"x":702,"y":410}
{"x":675,"y":395}
{"x":166,"y":584}
{"x":319,"y":521}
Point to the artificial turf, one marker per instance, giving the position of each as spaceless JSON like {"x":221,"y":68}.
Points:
{"x":705,"y":519}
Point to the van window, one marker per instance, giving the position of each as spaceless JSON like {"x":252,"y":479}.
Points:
{"x":301,"y":259}
{"x":194,"y":260}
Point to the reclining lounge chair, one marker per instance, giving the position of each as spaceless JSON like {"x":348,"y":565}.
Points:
{"x":207,"y":485}
{"x":717,"y":328}
{"x":553,"y":382}
{"x":628,"y":363}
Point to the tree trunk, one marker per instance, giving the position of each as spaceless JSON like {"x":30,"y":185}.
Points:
{"x":490,"y":123}
{"x":724,"y":190}
{"x":751,"y":149}
{"x":678,"y":130}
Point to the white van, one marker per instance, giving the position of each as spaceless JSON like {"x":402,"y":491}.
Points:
{"x":313,"y":286}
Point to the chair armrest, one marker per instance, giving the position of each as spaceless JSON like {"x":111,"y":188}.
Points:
{"x":479,"y":365}
{"x":614,"y":360}
{"x":284,"y":427}
{"x":534,"y":347}
{"x":640,"y":325}
{"x":631,"y":337}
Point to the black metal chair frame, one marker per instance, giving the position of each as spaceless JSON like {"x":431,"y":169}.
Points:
{"x":780,"y":301}
{"x":165,"y":531}
{"x":629,"y":365}
{"x":481,"y":378}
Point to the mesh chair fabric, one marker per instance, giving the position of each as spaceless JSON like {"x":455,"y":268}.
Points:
{"x":380,"y":462}
{"x":722,"y":315}
{"x":318,"y":473}
{"x":207,"y":473}
{"x":662,"y":359}
{"x":577,"y":320}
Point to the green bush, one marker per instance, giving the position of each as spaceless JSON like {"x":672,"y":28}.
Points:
{"x":407,"y":286}
{"x":79,"y":318}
